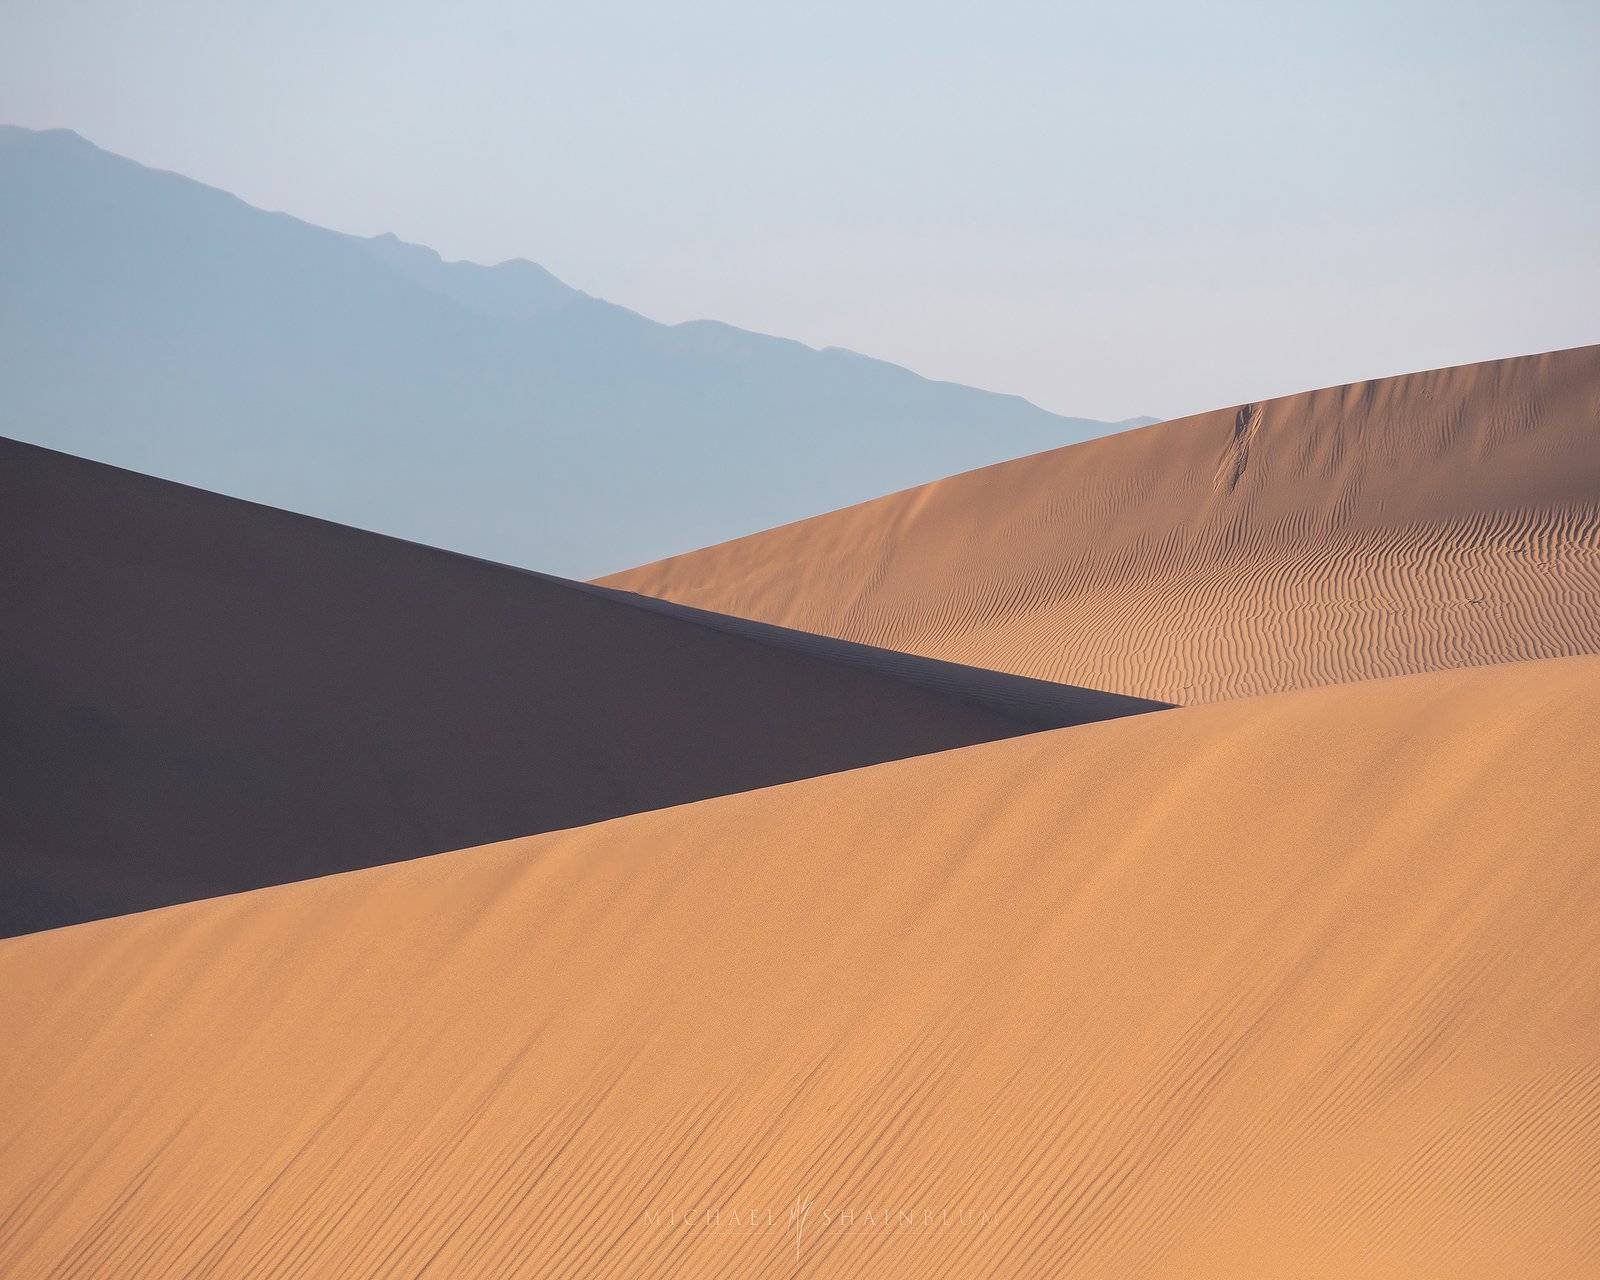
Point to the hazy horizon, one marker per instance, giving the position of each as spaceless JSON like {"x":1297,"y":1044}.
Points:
{"x":1146,"y":210}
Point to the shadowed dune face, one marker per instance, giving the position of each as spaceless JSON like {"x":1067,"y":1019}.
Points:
{"x":1042,"y":702}
{"x":203,"y":696}
{"x":1437,"y":520}
{"x":1302,"y":985}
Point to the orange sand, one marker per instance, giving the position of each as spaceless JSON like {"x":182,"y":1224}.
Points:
{"x":1305,"y":985}
{"x":1438,"y":520}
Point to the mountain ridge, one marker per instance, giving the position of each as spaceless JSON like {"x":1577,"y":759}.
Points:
{"x":160,"y":324}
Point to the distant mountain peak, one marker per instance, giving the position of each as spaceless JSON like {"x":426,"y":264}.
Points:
{"x":13,"y":134}
{"x":513,"y":289}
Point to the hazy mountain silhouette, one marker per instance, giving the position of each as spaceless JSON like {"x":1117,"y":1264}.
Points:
{"x":152,"y":322}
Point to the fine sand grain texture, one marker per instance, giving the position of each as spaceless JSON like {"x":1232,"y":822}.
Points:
{"x":1305,"y":985}
{"x":1418,"y":523}
{"x":201,"y":695}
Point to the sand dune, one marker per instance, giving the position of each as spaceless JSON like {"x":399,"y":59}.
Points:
{"x":202,"y":695}
{"x":1437,"y":520}
{"x":1304,"y":985}
{"x":1042,"y":703}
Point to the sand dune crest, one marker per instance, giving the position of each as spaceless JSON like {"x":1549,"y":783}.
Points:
{"x":203,"y":695}
{"x":1300,"y":985}
{"x":1418,"y":523}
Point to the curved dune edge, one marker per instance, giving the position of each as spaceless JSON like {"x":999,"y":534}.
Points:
{"x":203,"y":695}
{"x":1301,"y":985}
{"x":1418,"y":523}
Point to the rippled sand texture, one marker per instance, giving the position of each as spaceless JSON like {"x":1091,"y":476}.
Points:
{"x":1305,"y":985}
{"x":1419,"y":523}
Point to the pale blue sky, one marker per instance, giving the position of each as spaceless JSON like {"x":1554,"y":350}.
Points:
{"x":1111,"y":209}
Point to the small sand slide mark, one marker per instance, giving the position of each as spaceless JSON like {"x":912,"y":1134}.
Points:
{"x":1245,"y":425}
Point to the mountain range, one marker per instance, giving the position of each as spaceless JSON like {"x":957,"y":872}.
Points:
{"x":155,"y":323}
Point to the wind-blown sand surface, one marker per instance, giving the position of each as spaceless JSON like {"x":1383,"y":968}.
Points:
{"x":1305,"y":985}
{"x":202,"y":695}
{"x":1418,"y":523}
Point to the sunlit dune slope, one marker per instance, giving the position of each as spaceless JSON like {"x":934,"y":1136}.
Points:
{"x":202,"y":695}
{"x":1437,"y":520}
{"x":1305,"y":985}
